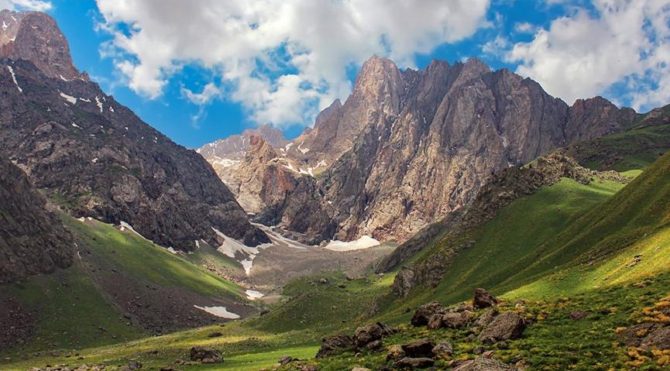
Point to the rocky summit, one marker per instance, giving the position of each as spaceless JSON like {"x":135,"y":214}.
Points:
{"x":96,"y":158}
{"x":409,"y":147}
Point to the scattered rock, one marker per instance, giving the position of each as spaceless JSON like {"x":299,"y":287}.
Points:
{"x":408,"y":362}
{"x":443,"y":350}
{"x":457,"y":319}
{"x":633,"y":336}
{"x":286,"y":360}
{"x":206,"y":355}
{"x":482,"y":364}
{"x":419,"y":349}
{"x":323,"y":281}
{"x":658,"y":339}
{"x":578,"y":314}
{"x":425,"y":312}
{"x":335,"y":344}
{"x":483,"y":299}
{"x":505,"y":326}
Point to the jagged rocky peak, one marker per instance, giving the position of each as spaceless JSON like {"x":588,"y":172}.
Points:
{"x":96,"y":158}
{"x":35,"y":36}
{"x":234,"y":147}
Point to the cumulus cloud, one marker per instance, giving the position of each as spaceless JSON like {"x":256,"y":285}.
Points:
{"x":38,"y":5}
{"x":587,"y":52}
{"x":282,"y":59}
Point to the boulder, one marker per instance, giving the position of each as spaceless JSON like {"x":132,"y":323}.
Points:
{"x":367,"y":334}
{"x":483,"y":299}
{"x":335,"y":344}
{"x":206,"y":355}
{"x":457,"y":319}
{"x":482,"y":364}
{"x":425,"y":312}
{"x":403,"y":282}
{"x":408,"y":362}
{"x":505,"y":326}
{"x":658,"y":339}
{"x":443,"y":350}
{"x":419,"y":349}
{"x":486,"y":318}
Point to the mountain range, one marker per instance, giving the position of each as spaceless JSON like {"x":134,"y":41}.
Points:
{"x":454,"y":217}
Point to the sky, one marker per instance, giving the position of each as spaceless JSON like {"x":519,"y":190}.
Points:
{"x":201,"y":70}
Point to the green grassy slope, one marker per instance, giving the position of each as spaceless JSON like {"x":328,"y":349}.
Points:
{"x":634,"y":149}
{"x":72,"y":310}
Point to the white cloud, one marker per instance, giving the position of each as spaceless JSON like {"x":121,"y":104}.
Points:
{"x":585,"y":54}
{"x":38,"y":5}
{"x":496,"y":47}
{"x":282,"y":59}
{"x":525,"y":27}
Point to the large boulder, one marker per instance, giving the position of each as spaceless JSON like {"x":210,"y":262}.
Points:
{"x":505,"y":326}
{"x":419,"y":348}
{"x":403,"y":282}
{"x":368,"y":334}
{"x":482,"y":364}
{"x":206,"y":355}
{"x":425,"y":312}
{"x":483,"y":299}
{"x":634,"y":335}
{"x":335,"y":344}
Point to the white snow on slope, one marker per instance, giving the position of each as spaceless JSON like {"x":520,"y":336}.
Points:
{"x":234,"y":248}
{"x":11,"y":70}
{"x":129,"y":227}
{"x":220,"y":312}
{"x":69,"y":98}
{"x":98,"y":103}
{"x":253,"y":294}
{"x":361,"y":243}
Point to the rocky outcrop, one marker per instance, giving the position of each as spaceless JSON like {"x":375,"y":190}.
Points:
{"x":483,"y":299}
{"x":35,"y":37}
{"x":96,"y":158}
{"x":32,"y":240}
{"x":410,"y":147}
{"x":500,"y":190}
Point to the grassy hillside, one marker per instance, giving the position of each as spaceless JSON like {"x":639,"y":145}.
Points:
{"x":634,"y":149}
{"x":117,"y":279}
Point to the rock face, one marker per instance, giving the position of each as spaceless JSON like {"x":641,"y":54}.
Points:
{"x":95,"y":158}
{"x":35,"y":37}
{"x":32,"y":240}
{"x":410,"y":147}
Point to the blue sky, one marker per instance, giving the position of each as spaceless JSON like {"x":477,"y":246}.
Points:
{"x":198,"y":75}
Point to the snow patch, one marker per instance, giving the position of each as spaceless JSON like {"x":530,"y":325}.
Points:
{"x":303,"y":150}
{"x":322,"y":163}
{"x":172,"y":250}
{"x":85,"y":100}
{"x":63,"y":78}
{"x":111,"y":109}
{"x":253,"y":294}
{"x":288,"y":146}
{"x":69,"y":98}
{"x":95,"y":160}
{"x":98,"y":103}
{"x":11,"y":71}
{"x":4,"y":26}
{"x":505,"y":142}
{"x":220,"y":312}
{"x":76,"y":126}
{"x":233,"y":248}
{"x":129,"y":227}
{"x":225,"y":162}
{"x":361,"y":243}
